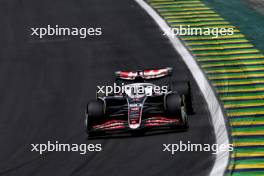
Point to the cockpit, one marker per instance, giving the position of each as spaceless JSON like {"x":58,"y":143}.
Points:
{"x":139,"y":90}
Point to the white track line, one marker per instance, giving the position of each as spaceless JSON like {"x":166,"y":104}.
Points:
{"x":214,"y":107}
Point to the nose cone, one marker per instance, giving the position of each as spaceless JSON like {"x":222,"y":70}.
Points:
{"x":134,"y":126}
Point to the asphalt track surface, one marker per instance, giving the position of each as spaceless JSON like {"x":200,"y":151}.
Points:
{"x":45,"y":84}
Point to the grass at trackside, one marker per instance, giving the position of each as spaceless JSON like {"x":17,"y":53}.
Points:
{"x":246,"y":174}
{"x":250,"y":22}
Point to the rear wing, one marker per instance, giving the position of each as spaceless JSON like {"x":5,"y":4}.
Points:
{"x":144,"y":74}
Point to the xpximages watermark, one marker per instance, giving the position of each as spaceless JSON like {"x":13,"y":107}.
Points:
{"x":81,"y":32}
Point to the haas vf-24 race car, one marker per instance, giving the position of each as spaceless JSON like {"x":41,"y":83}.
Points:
{"x":141,"y":105}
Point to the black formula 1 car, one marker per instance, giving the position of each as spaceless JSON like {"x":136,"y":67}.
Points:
{"x":140,"y":104}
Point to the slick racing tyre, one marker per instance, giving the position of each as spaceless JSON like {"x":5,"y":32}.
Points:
{"x":94,"y":111}
{"x":173,"y":103}
{"x":175,"y":107}
{"x":184,"y":90}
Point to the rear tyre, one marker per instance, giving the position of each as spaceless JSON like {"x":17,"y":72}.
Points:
{"x":184,"y":90}
{"x":184,"y":117}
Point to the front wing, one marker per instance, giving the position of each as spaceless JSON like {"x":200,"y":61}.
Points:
{"x":153,"y":122}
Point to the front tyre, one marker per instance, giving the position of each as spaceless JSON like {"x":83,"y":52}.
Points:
{"x":94,"y":112}
{"x":184,"y":90}
{"x":173,"y":103}
{"x":95,"y":109}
